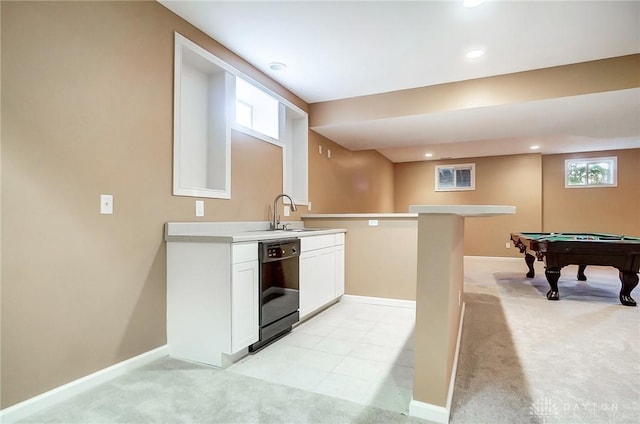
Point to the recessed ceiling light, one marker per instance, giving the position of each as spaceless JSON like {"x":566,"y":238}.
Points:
{"x":534,"y":147}
{"x":428,"y":155}
{"x":474,"y":54}
{"x":472,"y":3}
{"x":277,"y":66}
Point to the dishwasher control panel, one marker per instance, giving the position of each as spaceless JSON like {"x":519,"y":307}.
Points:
{"x":279,"y":249}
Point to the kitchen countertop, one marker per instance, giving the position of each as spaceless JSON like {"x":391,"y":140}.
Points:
{"x":235,"y":232}
{"x":464,"y":210}
{"x":359,"y":215}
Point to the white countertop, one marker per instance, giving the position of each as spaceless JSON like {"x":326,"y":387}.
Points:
{"x":464,"y":210}
{"x":234,"y":232}
{"x":358,"y":215}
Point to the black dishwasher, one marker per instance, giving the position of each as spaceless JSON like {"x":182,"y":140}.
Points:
{"x":279,"y":289}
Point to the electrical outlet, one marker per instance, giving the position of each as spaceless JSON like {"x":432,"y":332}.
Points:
{"x":106,"y":204}
{"x":199,"y":207}
{"x":329,"y":153}
{"x":320,"y":149}
{"x":287,"y":210}
{"x":507,"y":245}
{"x":309,"y":205}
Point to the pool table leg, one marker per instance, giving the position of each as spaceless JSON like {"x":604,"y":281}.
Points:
{"x":530,"y":259}
{"x":629,"y":281}
{"x":581,"y":276}
{"x":553,"y":275}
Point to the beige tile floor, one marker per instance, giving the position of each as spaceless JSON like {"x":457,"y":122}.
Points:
{"x":354,"y":351}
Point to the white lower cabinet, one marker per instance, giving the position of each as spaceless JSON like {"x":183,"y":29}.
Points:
{"x":245,"y":305}
{"x":314,"y":281}
{"x":212,"y":300}
{"x":321,"y":271}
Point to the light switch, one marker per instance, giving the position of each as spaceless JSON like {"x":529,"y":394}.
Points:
{"x":309,"y":205}
{"x":329,"y":153}
{"x":287,"y":210}
{"x":320,"y":149}
{"x":199,"y":207}
{"x":106,"y":204}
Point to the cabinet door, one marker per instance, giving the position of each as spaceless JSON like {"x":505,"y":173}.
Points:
{"x":244,"y":305}
{"x":308,"y":282}
{"x":339,"y":270}
{"x":326,"y":274}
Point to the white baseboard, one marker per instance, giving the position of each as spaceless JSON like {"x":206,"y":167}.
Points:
{"x":35,"y":404}
{"x":495,"y":258}
{"x":429,"y":412}
{"x":400,"y":303}
{"x":435,"y":413}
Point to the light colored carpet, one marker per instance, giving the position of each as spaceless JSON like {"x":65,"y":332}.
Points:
{"x":523,"y":359}
{"x":527,"y":359}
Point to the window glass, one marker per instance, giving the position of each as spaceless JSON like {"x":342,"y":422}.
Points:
{"x":446,"y":178}
{"x":256,"y":109}
{"x":596,"y":172}
{"x":455,"y":177}
{"x":244,"y":114}
{"x":463,"y":177}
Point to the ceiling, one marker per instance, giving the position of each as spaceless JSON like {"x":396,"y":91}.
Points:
{"x":343,"y":49}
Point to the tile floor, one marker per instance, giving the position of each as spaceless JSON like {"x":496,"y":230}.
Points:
{"x":354,"y":351}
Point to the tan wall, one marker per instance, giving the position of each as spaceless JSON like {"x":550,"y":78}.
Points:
{"x":87,"y":106}
{"x":348,"y":182}
{"x":380,"y":261}
{"x":439,"y":291}
{"x":503,"y":180}
{"x":609,"y":210}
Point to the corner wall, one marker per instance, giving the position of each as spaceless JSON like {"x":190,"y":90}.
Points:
{"x":348,"y":182}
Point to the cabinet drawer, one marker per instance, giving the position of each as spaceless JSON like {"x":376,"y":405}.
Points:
{"x":244,"y":252}
{"x":316,"y":242}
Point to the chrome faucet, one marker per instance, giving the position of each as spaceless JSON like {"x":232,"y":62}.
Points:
{"x":276,"y":218}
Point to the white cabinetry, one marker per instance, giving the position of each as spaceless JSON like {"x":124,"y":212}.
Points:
{"x":245,"y":297}
{"x":321,"y":271}
{"x":212,"y":300}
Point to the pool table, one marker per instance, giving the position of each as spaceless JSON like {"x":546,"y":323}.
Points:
{"x":560,"y":249}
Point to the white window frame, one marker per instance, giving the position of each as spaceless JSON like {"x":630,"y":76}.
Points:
{"x":613,"y":160}
{"x":456,"y":167}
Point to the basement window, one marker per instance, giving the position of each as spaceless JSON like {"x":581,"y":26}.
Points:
{"x":459,"y":177}
{"x":256,"y":109}
{"x":591,"y":172}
